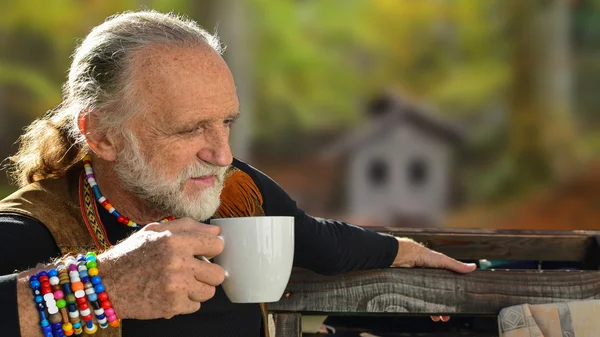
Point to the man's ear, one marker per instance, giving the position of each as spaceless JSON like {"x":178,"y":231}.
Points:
{"x":103,"y":145}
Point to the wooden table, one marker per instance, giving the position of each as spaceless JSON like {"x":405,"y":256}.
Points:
{"x":430,"y":291}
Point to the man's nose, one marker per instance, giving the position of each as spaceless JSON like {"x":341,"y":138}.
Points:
{"x":217,"y":150}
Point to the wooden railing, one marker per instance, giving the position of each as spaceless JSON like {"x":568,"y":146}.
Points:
{"x":430,"y":291}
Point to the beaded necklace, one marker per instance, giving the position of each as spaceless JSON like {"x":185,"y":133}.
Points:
{"x":89,"y":172}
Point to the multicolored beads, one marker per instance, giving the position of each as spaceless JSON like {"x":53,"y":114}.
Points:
{"x":51,"y":306}
{"x":61,"y":303}
{"x":91,"y":178}
{"x":78,"y":290}
{"x":72,"y":322}
{"x":97,"y":294}
{"x":69,"y":294}
{"x":89,"y":288}
{"x":35,"y":285}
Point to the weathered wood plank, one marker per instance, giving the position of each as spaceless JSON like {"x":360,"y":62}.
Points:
{"x":471,"y":244}
{"x":431,"y":291}
{"x":484,"y":231}
{"x":287,"y":325}
{"x":425,"y":334}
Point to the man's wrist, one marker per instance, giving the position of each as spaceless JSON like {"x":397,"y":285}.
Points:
{"x":408,"y":253}
{"x":27,"y":312}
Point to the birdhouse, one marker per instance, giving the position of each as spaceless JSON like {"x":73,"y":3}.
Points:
{"x":398,"y":168}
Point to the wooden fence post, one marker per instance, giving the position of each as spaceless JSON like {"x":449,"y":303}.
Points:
{"x":287,"y":325}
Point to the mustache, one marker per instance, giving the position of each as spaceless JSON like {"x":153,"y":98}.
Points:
{"x":200,"y":169}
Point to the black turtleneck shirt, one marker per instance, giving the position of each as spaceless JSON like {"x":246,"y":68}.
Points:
{"x":323,"y":246}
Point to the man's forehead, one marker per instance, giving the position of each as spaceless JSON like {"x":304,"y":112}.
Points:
{"x":176,"y":80}
{"x":180,"y":65}
{"x":165,"y":55}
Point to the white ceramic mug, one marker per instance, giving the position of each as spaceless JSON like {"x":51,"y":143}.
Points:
{"x":257,"y":258}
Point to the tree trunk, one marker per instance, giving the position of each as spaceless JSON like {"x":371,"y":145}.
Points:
{"x":541,"y":127}
{"x":233,"y":23}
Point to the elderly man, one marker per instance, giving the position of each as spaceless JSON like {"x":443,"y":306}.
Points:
{"x":141,"y":138}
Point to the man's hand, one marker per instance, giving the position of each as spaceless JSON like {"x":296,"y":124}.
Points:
{"x":412,"y":254}
{"x":440,"y":318}
{"x":154,"y":272}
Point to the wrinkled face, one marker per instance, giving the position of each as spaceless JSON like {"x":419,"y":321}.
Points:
{"x":180,"y":151}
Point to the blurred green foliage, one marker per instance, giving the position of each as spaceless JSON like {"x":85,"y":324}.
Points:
{"x":320,"y":60}
{"x":315,"y":63}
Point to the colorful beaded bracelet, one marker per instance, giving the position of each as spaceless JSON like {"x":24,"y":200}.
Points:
{"x":53,"y":313}
{"x":89,"y":290}
{"x":35,"y":285}
{"x":78,"y":289}
{"x":61,"y":303}
{"x":99,"y":292}
{"x":73,"y":314}
{"x":62,"y":294}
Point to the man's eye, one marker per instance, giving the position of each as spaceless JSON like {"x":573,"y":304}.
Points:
{"x":189,"y":131}
{"x":229,"y":122}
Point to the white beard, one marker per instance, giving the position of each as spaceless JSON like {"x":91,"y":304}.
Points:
{"x":140,"y":178}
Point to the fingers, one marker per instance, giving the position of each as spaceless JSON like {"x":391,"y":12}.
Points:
{"x":465,"y":268}
{"x":209,"y":273}
{"x":433,"y":259}
{"x":203,"y":244}
{"x":201,"y":292}
{"x":189,"y":236}
{"x":196,"y":243}
{"x":440,"y":318}
{"x":454,"y":265}
{"x":189,"y":306}
{"x":184,"y":225}
{"x":413,"y":254}
{"x":206,"y":277}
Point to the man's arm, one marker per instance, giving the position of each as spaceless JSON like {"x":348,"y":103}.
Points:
{"x":17,"y":319}
{"x":153,"y":256}
{"x":324,"y":246}
{"x":330,"y":247}
{"x":23,"y":244}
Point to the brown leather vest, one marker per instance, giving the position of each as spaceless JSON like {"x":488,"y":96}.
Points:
{"x":66,"y":206}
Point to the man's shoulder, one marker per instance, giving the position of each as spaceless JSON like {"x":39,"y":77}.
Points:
{"x":17,"y":202}
{"x":261,"y":179}
{"x":47,"y":190}
{"x":55,"y":203}
{"x":46,"y":193}
{"x":246,"y":168}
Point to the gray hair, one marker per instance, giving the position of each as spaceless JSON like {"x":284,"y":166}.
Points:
{"x":99,"y":81}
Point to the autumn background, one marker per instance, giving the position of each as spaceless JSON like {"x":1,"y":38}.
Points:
{"x":519,"y":79}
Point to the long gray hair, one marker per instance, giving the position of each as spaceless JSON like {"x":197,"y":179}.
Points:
{"x":99,"y":81}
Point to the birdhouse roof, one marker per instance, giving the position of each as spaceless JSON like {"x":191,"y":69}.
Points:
{"x":387,"y":112}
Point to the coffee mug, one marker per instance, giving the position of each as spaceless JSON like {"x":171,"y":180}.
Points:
{"x":257,"y":257}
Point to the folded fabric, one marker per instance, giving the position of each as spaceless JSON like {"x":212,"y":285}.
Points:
{"x":568,"y":319}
